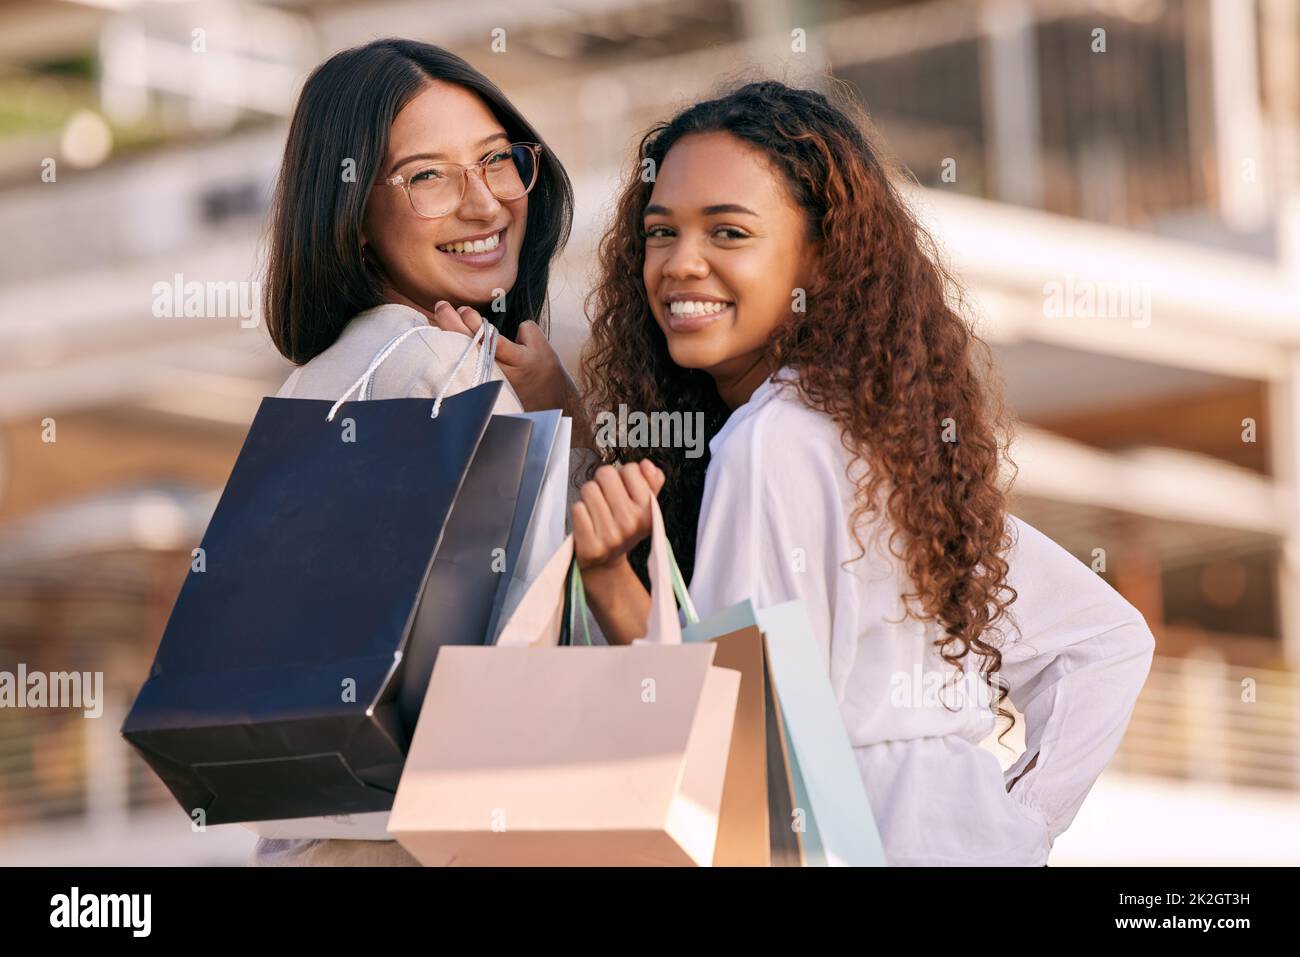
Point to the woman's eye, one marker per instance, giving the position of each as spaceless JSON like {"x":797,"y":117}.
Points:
{"x":658,"y":232}
{"x":427,"y":174}
{"x":504,"y":156}
{"x":730,"y":232}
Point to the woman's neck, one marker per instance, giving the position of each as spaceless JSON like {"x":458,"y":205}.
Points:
{"x":391,"y":295}
{"x":394,"y":297}
{"x":737,"y":379}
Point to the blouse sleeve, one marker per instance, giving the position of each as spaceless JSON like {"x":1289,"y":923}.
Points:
{"x":1075,"y":669}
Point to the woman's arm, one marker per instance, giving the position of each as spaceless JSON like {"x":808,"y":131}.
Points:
{"x":1075,"y":672}
{"x":619,"y":601}
{"x":612,"y":517}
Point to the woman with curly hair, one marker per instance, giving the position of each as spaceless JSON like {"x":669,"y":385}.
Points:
{"x":763,"y":273}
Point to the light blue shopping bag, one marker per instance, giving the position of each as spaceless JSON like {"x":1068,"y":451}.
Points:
{"x":840,"y":827}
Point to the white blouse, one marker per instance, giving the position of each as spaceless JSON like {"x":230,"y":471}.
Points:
{"x":774,"y":526}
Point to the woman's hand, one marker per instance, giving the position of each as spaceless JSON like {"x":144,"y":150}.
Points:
{"x":529,"y":364}
{"x":613,"y":516}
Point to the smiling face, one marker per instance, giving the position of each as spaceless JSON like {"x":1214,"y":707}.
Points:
{"x":726,"y":248}
{"x":444,"y":123}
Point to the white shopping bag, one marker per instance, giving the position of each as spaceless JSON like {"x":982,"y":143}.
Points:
{"x":540,"y":515}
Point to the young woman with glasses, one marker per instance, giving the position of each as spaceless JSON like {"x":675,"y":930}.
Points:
{"x":413,"y":195}
{"x":412,"y":200}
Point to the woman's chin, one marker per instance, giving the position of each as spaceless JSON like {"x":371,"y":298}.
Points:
{"x":483,"y":290}
{"x":693,"y":355}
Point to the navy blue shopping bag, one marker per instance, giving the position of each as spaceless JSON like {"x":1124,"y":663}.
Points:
{"x":294,"y":663}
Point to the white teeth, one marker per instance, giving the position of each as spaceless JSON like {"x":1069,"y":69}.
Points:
{"x":695,"y":307}
{"x":474,"y":246}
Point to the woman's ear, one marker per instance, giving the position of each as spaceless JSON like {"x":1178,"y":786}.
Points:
{"x":369,"y":260}
{"x":812,"y":270}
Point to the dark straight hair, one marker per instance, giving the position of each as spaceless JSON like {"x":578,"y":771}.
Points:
{"x":317,"y":278}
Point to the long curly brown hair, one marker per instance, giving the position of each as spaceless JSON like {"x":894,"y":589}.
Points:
{"x":882,"y":348}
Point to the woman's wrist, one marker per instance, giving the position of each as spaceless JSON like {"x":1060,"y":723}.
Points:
{"x":618,"y":600}
{"x":603,"y":582}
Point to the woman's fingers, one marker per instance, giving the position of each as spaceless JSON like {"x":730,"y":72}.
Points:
{"x":642,"y":481}
{"x":448,"y":319}
{"x":530,"y":334}
{"x":655,"y":477}
{"x":586,"y":543}
{"x":625,"y":512}
{"x":508,"y":353}
{"x":614,"y":513}
{"x":520,"y":351}
{"x":634,"y":481}
{"x":534,"y":369}
{"x":606,"y":528}
{"x":466,"y":320}
{"x":471,"y":318}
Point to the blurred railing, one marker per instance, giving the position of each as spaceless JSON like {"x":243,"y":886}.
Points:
{"x":1203,"y":719}
{"x":58,"y":768}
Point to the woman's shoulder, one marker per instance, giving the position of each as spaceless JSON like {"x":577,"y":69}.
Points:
{"x":423,"y":358}
{"x":330,"y":371}
{"x":778,"y":424}
{"x":414,"y":340}
{"x":779,"y":446}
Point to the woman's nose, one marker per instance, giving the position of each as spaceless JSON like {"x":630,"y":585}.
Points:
{"x":686,"y":262}
{"x":478,"y":202}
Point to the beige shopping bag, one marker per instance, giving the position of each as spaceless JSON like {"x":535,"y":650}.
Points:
{"x":754,"y":823}
{"x":527,"y":753}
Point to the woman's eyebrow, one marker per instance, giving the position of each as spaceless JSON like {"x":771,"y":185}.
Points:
{"x":654,"y":209}
{"x":481,"y":144}
{"x":728,"y":208}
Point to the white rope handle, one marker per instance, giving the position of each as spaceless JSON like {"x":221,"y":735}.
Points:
{"x":488,"y":357}
{"x":483,"y":371}
{"x":367,"y":391}
{"x":375,"y":363}
{"x":446,"y":386}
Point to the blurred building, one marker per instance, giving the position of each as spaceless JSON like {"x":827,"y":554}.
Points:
{"x":1115,"y":182}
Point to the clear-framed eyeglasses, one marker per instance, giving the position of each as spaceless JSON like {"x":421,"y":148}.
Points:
{"x":437,"y":189}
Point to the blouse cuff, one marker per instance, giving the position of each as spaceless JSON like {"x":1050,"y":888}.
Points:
{"x":1037,"y":816}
